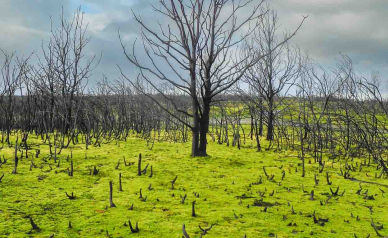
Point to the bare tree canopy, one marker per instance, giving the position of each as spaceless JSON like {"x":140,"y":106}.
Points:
{"x":200,"y":47}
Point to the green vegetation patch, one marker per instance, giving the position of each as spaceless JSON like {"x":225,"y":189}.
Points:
{"x":239,"y":192}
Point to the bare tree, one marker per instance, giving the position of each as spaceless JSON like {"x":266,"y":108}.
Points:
{"x":13,"y":72}
{"x":63,"y":73}
{"x":273,"y":76}
{"x":197,"y":54}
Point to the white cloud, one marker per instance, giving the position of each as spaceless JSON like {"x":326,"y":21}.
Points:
{"x":128,"y":2}
{"x":20,"y":38}
{"x":12,"y":31}
{"x":98,"y":22}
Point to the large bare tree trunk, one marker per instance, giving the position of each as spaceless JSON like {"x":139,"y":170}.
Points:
{"x":204,"y":127}
{"x":195,"y":129}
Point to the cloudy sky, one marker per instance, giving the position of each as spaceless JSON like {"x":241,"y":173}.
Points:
{"x":354,"y":27}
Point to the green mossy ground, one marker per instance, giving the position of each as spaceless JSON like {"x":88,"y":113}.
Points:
{"x":219,"y":179}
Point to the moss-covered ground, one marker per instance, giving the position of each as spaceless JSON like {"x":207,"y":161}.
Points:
{"x":227,"y":183}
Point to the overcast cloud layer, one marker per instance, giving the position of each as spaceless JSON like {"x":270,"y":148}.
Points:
{"x":354,"y":27}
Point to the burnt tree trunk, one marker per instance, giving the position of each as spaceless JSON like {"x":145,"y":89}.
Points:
{"x":261,"y":118}
{"x":204,"y":127}
{"x":195,"y":129}
{"x":270,"y":128}
{"x":111,"y":194}
{"x":139,"y":166}
{"x":16,"y":157}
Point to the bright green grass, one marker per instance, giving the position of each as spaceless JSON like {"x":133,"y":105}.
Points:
{"x":218,"y":179}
